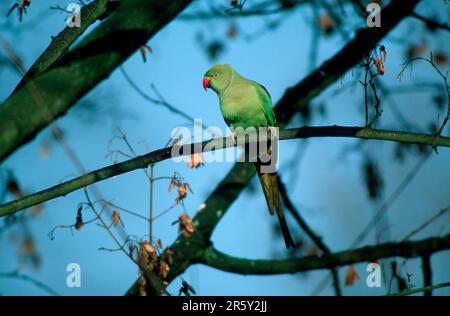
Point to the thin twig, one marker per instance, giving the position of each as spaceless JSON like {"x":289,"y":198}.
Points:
{"x":431,"y":23}
{"x":210,"y":145}
{"x":42,"y":104}
{"x":27,"y":278}
{"x":380,"y":213}
{"x":428,"y":222}
{"x":155,"y":283}
{"x":446,"y":86}
{"x":152,"y":166}
{"x":308,"y":230}
{"x":422,"y":289}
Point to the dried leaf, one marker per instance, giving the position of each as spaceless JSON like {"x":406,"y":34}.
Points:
{"x":28,"y":246}
{"x":164,"y":269}
{"x":37,"y":209}
{"x":131,"y":249}
{"x":214,"y":49}
{"x":149,"y":49}
{"x":195,"y":161}
{"x":142,"y":286}
{"x":326,"y":23}
{"x":232,"y":31}
{"x":186,"y":289}
{"x":182,"y":192}
{"x":14,"y":188}
{"x":188,"y":187}
{"x":143,"y":50}
{"x":351,"y":275}
{"x":383,"y":54}
{"x":79,"y":225}
{"x":142,"y":258}
{"x":44,"y":150}
{"x":402,"y":284}
{"x":168,"y":256}
{"x":373,"y":178}
{"x":416,"y":50}
{"x":172,"y":182}
{"x":313,"y":251}
{"x":29,"y":253}
{"x":185,"y":225}
{"x":116,"y":218}
{"x":79,"y":220}
{"x":379,"y":65}
{"x":143,"y":53}
{"x":440,"y":58}
{"x":146,"y":256}
{"x":25,"y":3}
{"x":148,"y":247}
{"x":286,"y":3}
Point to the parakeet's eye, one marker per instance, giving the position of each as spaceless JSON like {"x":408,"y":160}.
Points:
{"x":216,"y":75}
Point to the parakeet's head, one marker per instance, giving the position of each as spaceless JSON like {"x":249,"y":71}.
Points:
{"x":217,"y":77}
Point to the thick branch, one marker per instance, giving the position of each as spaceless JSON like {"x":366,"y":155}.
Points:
{"x":77,"y":72}
{"x":211,"y":145}
{"x":61,"y":43}
{"x":408,"y":249}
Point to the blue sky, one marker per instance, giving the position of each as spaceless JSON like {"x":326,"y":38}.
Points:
{"x":327,"y":185}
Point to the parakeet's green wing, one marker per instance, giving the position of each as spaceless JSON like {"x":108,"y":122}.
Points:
{"x":266,"y":102}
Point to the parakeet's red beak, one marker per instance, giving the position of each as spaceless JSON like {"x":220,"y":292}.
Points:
{"x":206,"y":82}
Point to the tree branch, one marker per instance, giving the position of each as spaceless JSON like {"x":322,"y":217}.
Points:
{"x":353,"y":52}
{"x":16,"y":274}
{"x":422,"y":289}
{"x":431,"y":23}
{"x":408,"y":249}
{"x":61,"y":43}
{"x":212,"y":145}
{"x":81,"y":69}
{"x":261,"y":9}
{"x":308,"y":230}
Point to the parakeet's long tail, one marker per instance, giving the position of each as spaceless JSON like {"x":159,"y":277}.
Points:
{"x":269,"y":185}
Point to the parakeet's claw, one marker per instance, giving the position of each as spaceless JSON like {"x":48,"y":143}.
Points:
{"x":233,"y":136}
{"x":273,"y":132}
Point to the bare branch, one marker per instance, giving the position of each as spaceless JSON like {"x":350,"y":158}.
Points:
{"x":431,"y":23}
{"x":422,"y":289}
{"x":96,"y":56}
{"x":27,"y":278}
{"x":61,"y":43}
{"x":307,"y":229}
{"x":428,"y":222}
{"x":221,"y":143}
{"x":407,"y":249}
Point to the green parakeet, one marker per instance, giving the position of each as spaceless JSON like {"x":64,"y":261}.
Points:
{"x":245,"y":103}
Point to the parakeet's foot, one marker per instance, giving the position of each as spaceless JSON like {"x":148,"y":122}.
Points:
{"x":233,"y":136}
{"x":273,"y":131}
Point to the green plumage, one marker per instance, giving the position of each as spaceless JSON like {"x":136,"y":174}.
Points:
{"x":245,"y":103}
